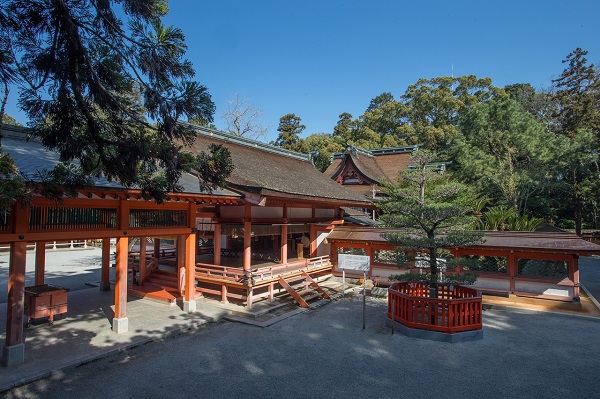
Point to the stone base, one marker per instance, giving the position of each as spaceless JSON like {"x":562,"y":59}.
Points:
{"x":121,"y":325}
{"x":13,"y":355}
{"x":463,"y":336}
{"x":189,"y":306}
{"x":104,"y":286}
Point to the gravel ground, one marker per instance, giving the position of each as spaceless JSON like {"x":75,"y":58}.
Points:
{"x":70,"y":268}
{"x":325,"y":353}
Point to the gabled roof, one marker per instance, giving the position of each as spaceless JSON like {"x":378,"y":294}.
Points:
{"x":272,"y":171}
{"x":376,"y":164}
{"x":31,"y":156}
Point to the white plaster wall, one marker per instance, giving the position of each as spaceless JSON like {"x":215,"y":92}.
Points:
{"x":232,"y":211}
{"x":322,"y":248}
{"x":543,"y":288}
{"x":325,"y":213}
{"x":299,"y":213}
{"x":492,"y":283}
{"x":267,"y":212}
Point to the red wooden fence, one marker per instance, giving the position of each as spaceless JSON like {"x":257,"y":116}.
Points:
{"x":455,"y":309}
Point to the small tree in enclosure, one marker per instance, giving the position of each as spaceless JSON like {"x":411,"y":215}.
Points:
{"x":431,"y":207}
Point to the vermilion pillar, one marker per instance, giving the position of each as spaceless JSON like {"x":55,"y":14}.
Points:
{"x":105,"y":277}
{"x":284,"y":245}
{"x":14,"y":347}
{"x":40,"y":262}
{"x":120,"y":321}
{"x":189,"y":299}
{"x":217,"y":245}
{"x":247,"y":246}
{"x":181,"y":262}
{"x":142,"y":261}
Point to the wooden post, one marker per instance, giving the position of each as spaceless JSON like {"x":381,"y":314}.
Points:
{"x":181,"y":262}
{"x":142,"y":261}
{"x":217,"y":245}
{"x":105,"y":274}
{"x":120,"y":322}
{"x":513,"y":270}
{"x":247,"y":246}
{"x":224,"y":294}
{"x":284,"y":245}
{"x":371,"y":255}
{"x":157,"y":249}
{"x":189,"y":300}
{"x":40,"y":262}
{"x":14,"y":347}
{"x":313,"y":239}
{"x":574,"y":272}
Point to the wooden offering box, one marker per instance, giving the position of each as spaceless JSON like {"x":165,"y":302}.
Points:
{"x":45,"y":301}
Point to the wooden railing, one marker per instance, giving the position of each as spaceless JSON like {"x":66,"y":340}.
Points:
{"x":261,"y":273}
{"x":455,"y":309}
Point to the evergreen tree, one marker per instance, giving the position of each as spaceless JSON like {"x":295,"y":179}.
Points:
{"x":577,"y":94}
{"x":108,"y":93}
{"x":290,"y":128}
{"x":432,"y":208}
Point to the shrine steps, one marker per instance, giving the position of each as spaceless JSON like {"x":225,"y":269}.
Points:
{"x":160,"y":285}
{"x":303,"y":289}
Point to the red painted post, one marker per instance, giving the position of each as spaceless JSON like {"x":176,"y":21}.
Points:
{"x":181,"y":262}
{"x":284,"y":243}
{"x":120,"y":321}
{"x":142,"y":261}
{"x":40,"y":262}
{"x":190,"y":270}
{"x":16,"y":293}
{"x":247,"y":246}
{"x":105,"y":278}
{"x":217,"y":245}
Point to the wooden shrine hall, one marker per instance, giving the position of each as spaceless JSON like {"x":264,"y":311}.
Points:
{"x":539,"y":264}
{"x":253,"y":239}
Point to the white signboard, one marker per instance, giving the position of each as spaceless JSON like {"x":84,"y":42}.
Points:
{"x":354,"y":262}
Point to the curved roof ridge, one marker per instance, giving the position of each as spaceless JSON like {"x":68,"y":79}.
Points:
{"x":231,"y":138}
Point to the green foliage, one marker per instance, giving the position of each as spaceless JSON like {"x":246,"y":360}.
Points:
{"x":577,"y":92}
{"x":504,"y":218}
{"x":545,"y":268}
{"x":9,"y":120}
{"x":290,"y":128}
{"x":431,"y":207}
{"x":427,"y":278}
{"x":505,"y":153}
{"x":92,"y":80}
{"x":12,"y":184}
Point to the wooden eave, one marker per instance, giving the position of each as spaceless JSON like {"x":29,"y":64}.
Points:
{"x":347,"y":163}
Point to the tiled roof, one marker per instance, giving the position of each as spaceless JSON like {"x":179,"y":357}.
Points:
{"x":501,"y":240}
{"x":376,"y":164}
{"x":268,"y":170}
{"x":31,"y":156}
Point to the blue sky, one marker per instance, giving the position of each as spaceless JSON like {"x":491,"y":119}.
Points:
{"x":318,"y":59}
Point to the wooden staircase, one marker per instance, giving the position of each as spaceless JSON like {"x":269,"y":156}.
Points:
{"x":303,"y":288}
{"x":160,"y":285}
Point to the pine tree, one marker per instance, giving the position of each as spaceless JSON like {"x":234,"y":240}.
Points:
{"x":431,"y":207}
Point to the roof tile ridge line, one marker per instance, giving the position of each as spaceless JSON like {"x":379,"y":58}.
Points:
{"x":224,"y":136}
{"x":395,"y":150}
{"x":18,"y":133}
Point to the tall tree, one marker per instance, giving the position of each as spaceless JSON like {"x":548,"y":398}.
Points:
{"x":577,"y":93}
{"x":505,"y":153}
{"x":92,"y":84}
{"x":431,"y":206}
{"x":243,"y":119}
{"x":320,"y":146}
{"x":436,"y":104}
{"x":290,"y":128}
